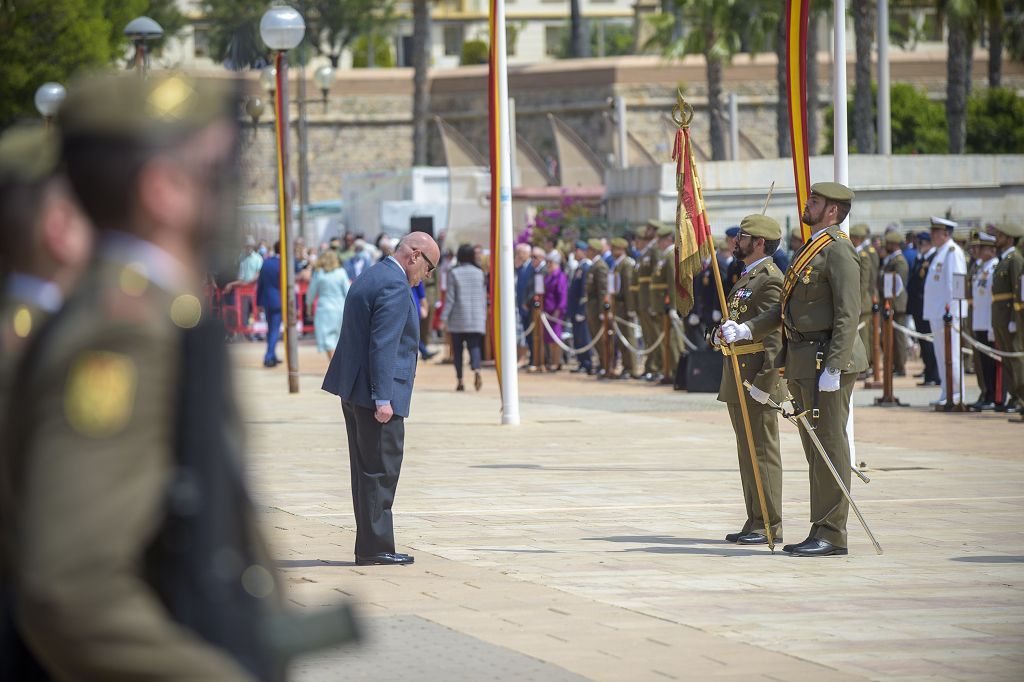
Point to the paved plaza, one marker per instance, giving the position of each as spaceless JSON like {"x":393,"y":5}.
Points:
{"x":587,"y":543}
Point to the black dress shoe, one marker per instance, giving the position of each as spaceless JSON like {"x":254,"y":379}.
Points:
{"x":816,"y":547}
{"x":733,"y":537}
{"x":928,"y":382}
{"x":754,"y":538}
{"x":790,"y":548}
{"x":384,"y":559}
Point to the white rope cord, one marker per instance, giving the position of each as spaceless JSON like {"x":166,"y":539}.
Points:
{"x":567,"y":349}
{"x":861,"y":325}
{"x":526,"y":332}
{"x":640,"y":353}
{"x":912,"y":333}
{"x":993,"y":353}
{"x":678,"y":324}
{"x":632,"y":325}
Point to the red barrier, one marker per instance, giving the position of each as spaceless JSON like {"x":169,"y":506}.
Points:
{"x":238,"y":309}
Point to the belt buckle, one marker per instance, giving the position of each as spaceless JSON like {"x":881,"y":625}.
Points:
{"x":814,"y":413}
{"x":818,"y":358}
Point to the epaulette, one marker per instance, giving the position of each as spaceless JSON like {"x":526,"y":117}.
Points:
{"x":864,"y":254}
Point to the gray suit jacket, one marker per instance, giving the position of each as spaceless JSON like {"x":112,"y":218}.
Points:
{"x":380,"y":333}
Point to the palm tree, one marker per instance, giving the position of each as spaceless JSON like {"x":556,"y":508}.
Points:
{"x":578,"y":43}
{"x":818,"y":7}
{"x":994,"y":25}
{"x":420,"y":64}
{"x":863,"y":119}
{"x":959,"y":16}
{"x":782,"y":105}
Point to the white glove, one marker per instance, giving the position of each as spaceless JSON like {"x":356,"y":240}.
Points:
{"x":581,"y":318}
{"x":674,"y":314}
{"x":716,"y":338}
{"x":1013,"y":327}
{"x":829,"y":381}
{"x":733,"y":332}
{"x":692,"y":320}
{"x":716,"y":315}
{"x":757,"y":395}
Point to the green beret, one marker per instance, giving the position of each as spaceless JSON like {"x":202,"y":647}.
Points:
{"x":860,"y":230}
{"x":595,"y":244}
{"x":666,"y":230}
{"x":833,"y":191}
{"x":893,"y":237}
{"x":640,"y":231}
{"x":758,"y":225}
{"x":1011,"y":229}
{"x":620,"y":243}
{"x":28,"y":153}
{"x":164,"y":107}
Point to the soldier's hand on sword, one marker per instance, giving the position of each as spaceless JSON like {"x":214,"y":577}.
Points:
{"x":757,"y":395}
{"x":829,"y":380}
{"x":733,"y":332}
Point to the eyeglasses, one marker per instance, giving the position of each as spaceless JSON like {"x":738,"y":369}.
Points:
{"x":429,"y":262}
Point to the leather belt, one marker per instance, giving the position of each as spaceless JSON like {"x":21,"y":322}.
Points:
{"x":634,"y":287}
{"x":659,"y":287}
{"x":1008,"y":296}
{"x":817,"y":337}
{"x":643,"y":279}
{"x":745,"y":349}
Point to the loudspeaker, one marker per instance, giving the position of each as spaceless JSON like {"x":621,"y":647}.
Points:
{"x":422,"y":224}
{"x":703,"y":371}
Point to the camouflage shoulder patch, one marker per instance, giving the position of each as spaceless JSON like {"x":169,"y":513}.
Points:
{"x":100,"y":394}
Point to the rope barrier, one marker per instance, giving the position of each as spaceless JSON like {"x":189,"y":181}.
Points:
{"x":678,"y":325}
{"x":567,"y":349}
{"x":641,"y":353}
{"x":526,"y":332}
{"x":993,"y":353}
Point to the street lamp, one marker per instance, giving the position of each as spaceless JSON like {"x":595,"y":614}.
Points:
{"x":48,"y":99}
{"x":254,"y":108}
{"x":323,"y":77}
{"x":141,"y":30}
{"x":282,"y":29}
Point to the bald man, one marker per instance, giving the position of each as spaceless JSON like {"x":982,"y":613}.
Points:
{"x":373,"y":377}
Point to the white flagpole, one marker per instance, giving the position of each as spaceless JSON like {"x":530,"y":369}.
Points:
{"x":509,"y":361}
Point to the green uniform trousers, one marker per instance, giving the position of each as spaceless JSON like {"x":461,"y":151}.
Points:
{"x":829,"y":507}
{"x":866,"y":336}
{"x":1013,"y":368}
{"x":764,"y":426}
{"x":652,"y":363}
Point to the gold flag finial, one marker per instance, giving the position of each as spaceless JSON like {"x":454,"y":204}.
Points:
{"x":682,"y":113}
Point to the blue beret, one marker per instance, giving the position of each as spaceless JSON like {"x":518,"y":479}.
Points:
{"x":926,"y":236}
{"x":580,"y":244}
{"x":732,"y":232}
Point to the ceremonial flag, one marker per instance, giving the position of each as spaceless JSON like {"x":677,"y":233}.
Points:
{"x":796,"y":94}
{"x":693,"y":232}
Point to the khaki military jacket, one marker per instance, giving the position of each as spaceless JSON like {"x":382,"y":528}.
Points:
{"x":897,"y":264}
{"x":755,"y":292}
{"x":92,"y":485}
{"x":1006,"y":289}
{"x":867,"y":258}
{"x":597,"y":281}
{"x":19,"y":321}
{"x":822,"y":312}
{"x":642,"y":278}
{"x":625,"y":299}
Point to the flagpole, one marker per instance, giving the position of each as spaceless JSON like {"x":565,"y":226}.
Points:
{"x":841,"y":160}
{"x":503,"y":259}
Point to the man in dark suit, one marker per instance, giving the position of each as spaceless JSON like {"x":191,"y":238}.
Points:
{"x":915,"y":306}
{"x":372,"y":372}
{"x":268,"y":297}
{"x":577,"y":308}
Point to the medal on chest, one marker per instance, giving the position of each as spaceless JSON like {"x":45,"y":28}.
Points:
{"x":807,"y":274}
{"x":938,"y":272}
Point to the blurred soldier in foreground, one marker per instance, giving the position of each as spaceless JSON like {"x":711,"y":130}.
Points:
{"x":823,"y":355}
{"x":132,"y":546}
{"x":758,"y":288}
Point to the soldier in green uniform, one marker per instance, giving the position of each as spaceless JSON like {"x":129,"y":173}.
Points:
{"x":597,"y":292}
{"x":758,"y":289}
{"x":894,"y":262}
{"x":1006,"y":308}
{"x":642,"y":281}
{"x":45,"y":242}
{"x":860,"y":237}
{"x":663,"y":298}
{"x":822,"y":355}
{"x":132,"y":544}
{"x":625,"y":305}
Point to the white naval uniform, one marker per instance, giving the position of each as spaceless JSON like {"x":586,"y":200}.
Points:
{"x":938,"y":293}
{"x":981,"y":320}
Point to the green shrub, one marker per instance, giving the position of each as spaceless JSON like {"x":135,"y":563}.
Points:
{"x":475,"y":52}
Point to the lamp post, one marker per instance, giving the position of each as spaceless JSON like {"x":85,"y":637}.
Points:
{"x":282,"y":29}
{"x":141,"y":30}
{"x":48,"y":99}
{"x":324,"y":77}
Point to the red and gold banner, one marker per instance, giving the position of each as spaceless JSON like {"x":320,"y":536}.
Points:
{"x":693,"y":232}
{"x":796,"y":93}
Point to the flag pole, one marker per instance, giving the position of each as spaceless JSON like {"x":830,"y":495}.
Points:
{"x":502,"y":260}
{"x":682,"y":116}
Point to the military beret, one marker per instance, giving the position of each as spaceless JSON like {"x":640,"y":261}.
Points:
{"x":162,"y":108}
{"x":924,"y":236}
{"x":1011,"y":229}
{"x":860,"y":230}
{"x":666,"y":230}
{"x":732,"y":231}
{"x":28,"y":153}
{"x":595,"y":244}
{"x":580,"y":244}
{"x":944,"y":223}
{"x":758,"y":225}
{"x":620,"y":243}
{"x":640,"y":231}
{"x":833,"y":190}
{"x":655,"y":223}
{"x":893,"y":238}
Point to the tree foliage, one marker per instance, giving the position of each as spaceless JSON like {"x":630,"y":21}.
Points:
{"x":54,"y":40}
{"x":995,"y":122}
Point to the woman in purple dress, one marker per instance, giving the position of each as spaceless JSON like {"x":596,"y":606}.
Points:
{"x":556,"y":286}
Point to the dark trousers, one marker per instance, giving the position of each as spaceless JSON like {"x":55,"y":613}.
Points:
{"x":474,"y":342}
{"x":931,"y":366}
{"x":526,"y":318}
{"x":273,"y":334}
{"x":986,"y":369}
{"x":581,"y":338}
{"x":375,"y":461}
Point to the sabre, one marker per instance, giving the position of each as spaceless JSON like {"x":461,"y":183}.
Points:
{"x":768,"y":198}
{"x":800,"y":419}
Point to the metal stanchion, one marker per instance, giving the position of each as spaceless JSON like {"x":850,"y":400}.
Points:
{"x":669,"y":374}
{"x":876,"y":380}
{"x":888,"y":399}
{"x":947,"y":325}
{"x":606,"y":348}
{"x":538,"y":339}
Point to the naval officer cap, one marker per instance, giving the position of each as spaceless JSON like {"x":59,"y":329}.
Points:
{"x":28,"y":153}
{"x":595,"y":244}
{"x":860,"y":231}
{"x":1011,"y":229}
{"x":164,"y":108}
{"x":758,"y":225}
{"x":943,"y":223}
{"x":983,"y":239}
{"x":620,"y":243}
{"x":833,"y":190}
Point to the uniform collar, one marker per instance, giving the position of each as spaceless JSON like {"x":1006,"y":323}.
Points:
{"x":990,"y":263}
{"x":753,"y":265}
{"x":151,"y":261}
{"x":36,"y":291}
{"x":1006,"y":253}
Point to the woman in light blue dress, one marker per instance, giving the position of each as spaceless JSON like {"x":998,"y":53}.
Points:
{"x":328,"y":290}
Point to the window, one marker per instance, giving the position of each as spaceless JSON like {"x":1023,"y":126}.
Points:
{"x":554,"y":37}
{"x":201,"y":42}
{"x":453,"y":37}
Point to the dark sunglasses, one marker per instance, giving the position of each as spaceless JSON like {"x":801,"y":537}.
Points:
{"x":429,"y":262}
